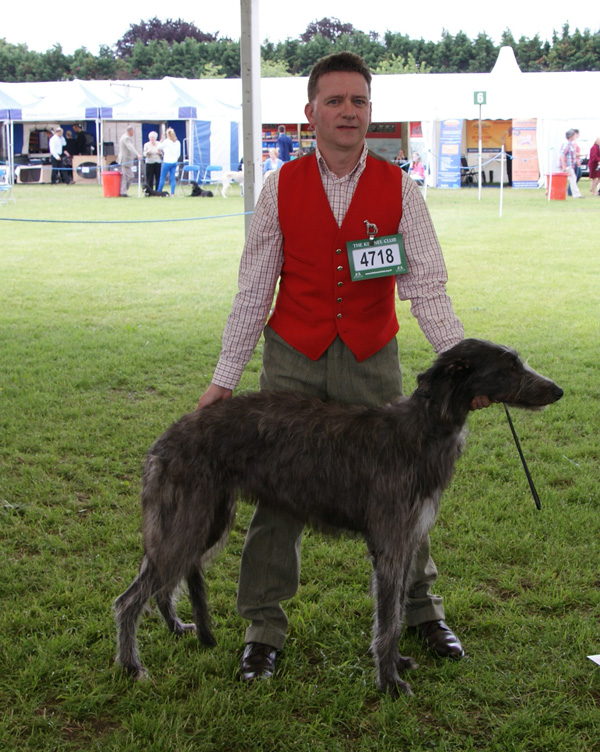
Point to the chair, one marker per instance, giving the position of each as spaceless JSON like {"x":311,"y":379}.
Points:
{"x":207,"y":177}
{"x":6,"y":194}
{"x":468,"y":174}
{"x":190,"y":173}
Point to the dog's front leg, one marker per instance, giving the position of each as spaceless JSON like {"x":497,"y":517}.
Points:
{"x":389,"y":585}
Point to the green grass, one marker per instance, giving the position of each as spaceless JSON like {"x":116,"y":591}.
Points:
{"x":111,"y":331}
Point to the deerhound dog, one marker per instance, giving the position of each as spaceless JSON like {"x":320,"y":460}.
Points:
{"x":378,"y":472}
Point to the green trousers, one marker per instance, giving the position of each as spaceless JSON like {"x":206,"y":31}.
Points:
{"x":270,"y":566}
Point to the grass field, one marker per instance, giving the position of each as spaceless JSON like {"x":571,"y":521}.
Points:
{"x":110,"y":329}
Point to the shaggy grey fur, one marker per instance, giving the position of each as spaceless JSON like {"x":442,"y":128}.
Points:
{"x":379,"y":472}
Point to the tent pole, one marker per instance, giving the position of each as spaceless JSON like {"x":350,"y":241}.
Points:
{"x":502,"y":158}
{"x":99,"y":150}
{"x":480,"y":156}
{"x":251,"y":109}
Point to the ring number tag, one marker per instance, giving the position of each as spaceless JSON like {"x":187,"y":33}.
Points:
{"x":380,"y":257}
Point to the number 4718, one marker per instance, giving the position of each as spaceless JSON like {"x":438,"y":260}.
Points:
{"x":378,"y":257}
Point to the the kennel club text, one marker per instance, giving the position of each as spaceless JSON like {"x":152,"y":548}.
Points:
{"x":378,"y":257}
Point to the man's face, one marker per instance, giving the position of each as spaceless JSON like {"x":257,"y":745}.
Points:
{"x":340,"y":111}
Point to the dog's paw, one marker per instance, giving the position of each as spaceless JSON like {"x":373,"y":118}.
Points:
{"x":405,"y":663}
{"x":179,"y":628}
{"x":206,"y":637}
{"x":137,"y":672}
{"x":395,"y":688}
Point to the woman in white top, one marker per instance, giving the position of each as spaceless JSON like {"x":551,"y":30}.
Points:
{"x":171,"y":149}
{"x":153,"y":159}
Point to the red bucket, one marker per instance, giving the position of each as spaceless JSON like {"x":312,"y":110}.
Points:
{"x":111,"y":184}
{"x":557,"y":186}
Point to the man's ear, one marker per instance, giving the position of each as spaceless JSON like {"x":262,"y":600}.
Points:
{"x":308,"y":111}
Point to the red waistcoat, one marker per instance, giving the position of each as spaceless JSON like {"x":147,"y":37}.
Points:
{"x":317,"y":300}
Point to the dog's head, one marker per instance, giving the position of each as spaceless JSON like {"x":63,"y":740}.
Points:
{"x":475,"y":367}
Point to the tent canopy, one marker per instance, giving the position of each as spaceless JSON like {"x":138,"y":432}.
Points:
{"x":557,"y":100}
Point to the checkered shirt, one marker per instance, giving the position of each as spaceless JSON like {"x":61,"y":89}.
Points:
{"x":262,"y":260}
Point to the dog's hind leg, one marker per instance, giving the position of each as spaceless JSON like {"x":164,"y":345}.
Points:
{"x":166,"y":606}
{"x":197,"y":591}
{"x":128,"y":608}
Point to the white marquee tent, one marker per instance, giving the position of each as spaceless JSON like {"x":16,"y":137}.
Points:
{"x":557,"y":100}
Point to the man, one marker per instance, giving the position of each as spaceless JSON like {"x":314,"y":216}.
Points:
{"x":79,"y":139}
{"x":56,"y":145}
{"x":329,"y":336}
{"x":284,"y":144}
{"x":568,"y":161}
{"x":128,"y":155}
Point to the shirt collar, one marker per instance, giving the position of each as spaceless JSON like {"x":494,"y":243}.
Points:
{"x":354,"y":173}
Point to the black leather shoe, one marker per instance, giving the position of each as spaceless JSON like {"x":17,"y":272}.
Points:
{"x":441,"y":639}
{"x":258,"y":662}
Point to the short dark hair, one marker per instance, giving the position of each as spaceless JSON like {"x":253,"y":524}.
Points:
{"x":337,"y":62}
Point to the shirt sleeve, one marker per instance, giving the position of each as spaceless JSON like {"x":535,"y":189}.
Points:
{"x":425,"y":282}
{"x":260,"y":267}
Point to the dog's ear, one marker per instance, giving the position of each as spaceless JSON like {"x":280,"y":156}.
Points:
{"x":458,"y":367}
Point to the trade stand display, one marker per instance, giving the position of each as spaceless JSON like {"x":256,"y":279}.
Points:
{"x":206,"y":115}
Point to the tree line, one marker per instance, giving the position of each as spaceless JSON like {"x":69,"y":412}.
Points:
{"x":153,"y":49}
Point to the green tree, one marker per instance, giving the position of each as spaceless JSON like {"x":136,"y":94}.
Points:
{"x":53,"y":65}
{"x":273,"y":69}
{"x":453,"y":54}
{"x":484,"y":54}
{"x":531,"y":54}
{"x":402,"y":46}
{"x":211,"y":70}
{"x":396,"y":64}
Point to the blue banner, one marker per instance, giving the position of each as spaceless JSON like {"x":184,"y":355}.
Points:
{"x":449,"y":151}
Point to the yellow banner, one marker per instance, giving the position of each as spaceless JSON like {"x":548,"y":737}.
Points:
{"x":526,"y":169}
{"x":494,"y":134}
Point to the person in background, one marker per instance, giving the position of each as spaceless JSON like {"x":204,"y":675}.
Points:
{"x":171,"y":149}
{"x":401,"y":160}
{"x":327,"y":335}
{"x":284,"y":144}
{"x":594,"y":167}
{"x":57,"y":146}
{"x":417,"y":169}
{"x":272,"y":163}
{"x":153,"y":160}
{"x":568,"y":160}
{"x":577,"y":156}
{"x":128,"y":156}
{"x":81,"y":146}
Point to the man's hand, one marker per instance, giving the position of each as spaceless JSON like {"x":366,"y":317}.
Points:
{"x":480,"y":401}
{"x":214,"y":393}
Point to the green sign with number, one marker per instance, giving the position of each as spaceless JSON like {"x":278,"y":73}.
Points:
{"x":480,"y":97}
{"x":380,"y":257}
